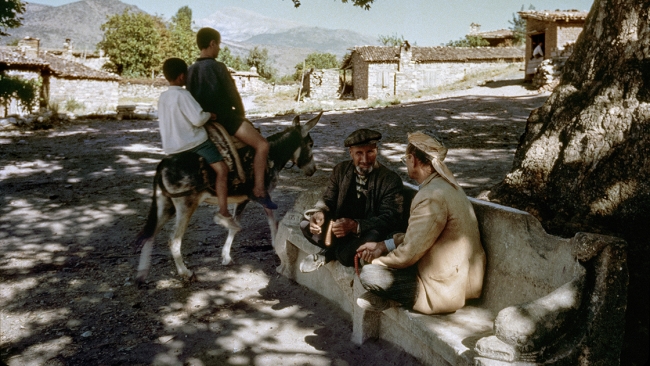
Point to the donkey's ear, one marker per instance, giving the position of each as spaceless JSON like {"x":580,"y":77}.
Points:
{"x":296,"y":121}
{"x":310,"y":124}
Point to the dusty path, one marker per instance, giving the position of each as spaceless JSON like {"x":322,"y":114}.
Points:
{"x":74,"y":198}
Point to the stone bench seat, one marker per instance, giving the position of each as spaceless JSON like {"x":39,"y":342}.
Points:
{"x":544,"y":297}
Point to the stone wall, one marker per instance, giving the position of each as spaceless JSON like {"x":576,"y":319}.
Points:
{"x":359,"y":76}
{"x":96,"y":96}
{"x":324,"y":84}
{"x":130,"y":91}
{"x":567,"y":34}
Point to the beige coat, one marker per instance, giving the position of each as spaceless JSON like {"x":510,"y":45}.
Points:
{"x":443,"y":239}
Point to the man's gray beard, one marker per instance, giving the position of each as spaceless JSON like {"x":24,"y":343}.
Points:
{"x":363,"y":171}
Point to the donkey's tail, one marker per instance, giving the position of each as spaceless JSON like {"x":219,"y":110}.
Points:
{"x":149,"y":229}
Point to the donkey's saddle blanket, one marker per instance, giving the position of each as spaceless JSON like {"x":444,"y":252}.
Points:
{"x":228,"y":146}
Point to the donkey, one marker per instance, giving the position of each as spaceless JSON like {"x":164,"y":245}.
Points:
{"x":184,"y":180}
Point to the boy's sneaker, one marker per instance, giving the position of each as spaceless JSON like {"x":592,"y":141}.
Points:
{"x":371,"y":302}
{"x":227,"y":222}
{"x":265,"y":201}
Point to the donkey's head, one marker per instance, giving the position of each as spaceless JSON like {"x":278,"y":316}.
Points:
{"x":303,"y":157}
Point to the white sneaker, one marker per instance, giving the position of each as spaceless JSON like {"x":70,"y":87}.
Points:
{"x":227,"y":222}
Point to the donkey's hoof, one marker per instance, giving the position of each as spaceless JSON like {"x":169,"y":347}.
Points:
{"x":140,"y":282}
{"x":227,"y":261}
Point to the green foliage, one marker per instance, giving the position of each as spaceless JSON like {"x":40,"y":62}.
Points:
{"x":10,"y":11}
{"x":72,"y":105}
{"x":183,"y":38}
{"x":133,"y":42}
{"x":230,"y":60}
{"x":393,"y":40}
{"x":13,"y":42}
{"x":364,"y":4}
{"x":259,"y":58}
{"x":24,"y":91}
{"x":519,"y":26}
{"x":469,"y":41}
{"x":316,"y":60}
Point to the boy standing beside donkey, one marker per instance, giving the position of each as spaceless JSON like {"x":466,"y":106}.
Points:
{"x":211,"y":84}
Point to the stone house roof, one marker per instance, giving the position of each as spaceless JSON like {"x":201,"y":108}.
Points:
{"x":54,"y":65}
{"x":499,"y":33}
{"x":437,"y":54}
{"x":554,"y":16}
{"x":10,"y":59}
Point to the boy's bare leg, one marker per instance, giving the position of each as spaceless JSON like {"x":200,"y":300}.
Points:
{"x":221,"y":169}
{"x":249,"y":135}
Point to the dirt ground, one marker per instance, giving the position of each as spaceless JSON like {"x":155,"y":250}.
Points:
{"x":74,"y":198}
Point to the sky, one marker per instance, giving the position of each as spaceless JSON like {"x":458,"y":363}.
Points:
{"x":421,"y":22}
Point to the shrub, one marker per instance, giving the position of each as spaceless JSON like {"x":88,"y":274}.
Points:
{"x":24,"y":91}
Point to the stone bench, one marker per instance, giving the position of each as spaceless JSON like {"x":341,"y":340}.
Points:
{"x":544,"y":298}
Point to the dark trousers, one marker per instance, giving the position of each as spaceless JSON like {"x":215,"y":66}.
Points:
{"x":400,"y":285}
{"x":342,"y":249}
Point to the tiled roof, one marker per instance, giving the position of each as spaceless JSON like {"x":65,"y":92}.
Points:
{"x":10,"y":57}
{"x":438,"y":54}
{"x":74,"y":70}
{"x":56,"y":65}
{"x":500,"y":33}
{"x":554,"y":16}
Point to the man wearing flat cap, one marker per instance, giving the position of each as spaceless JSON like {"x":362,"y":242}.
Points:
{"x":439,"y":262}
{"x":363,"y":202}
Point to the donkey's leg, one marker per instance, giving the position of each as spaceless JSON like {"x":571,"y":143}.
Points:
{"x":161,"y":211}
{"x":273,"y":224}
{"x":225,"y":251}
{"x":185,"y":207}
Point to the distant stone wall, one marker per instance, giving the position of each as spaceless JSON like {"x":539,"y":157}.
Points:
{"x":96,"y":96}
{"x":140,"y":91}
{"x":324,"y":84}
{"x":567,"y":34}
{"x":249,"y":84}
{"x":360,"y":74}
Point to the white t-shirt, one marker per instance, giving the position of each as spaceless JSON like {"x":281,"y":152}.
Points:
{"x":181,"y":120}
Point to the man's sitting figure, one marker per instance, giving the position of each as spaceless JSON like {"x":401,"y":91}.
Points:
{"x":439,"y":262}
{"x":362,"y":203}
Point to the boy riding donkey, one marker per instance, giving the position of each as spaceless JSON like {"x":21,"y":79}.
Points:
{"x":211,"y":84}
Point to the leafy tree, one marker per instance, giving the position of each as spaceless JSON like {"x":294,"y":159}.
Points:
{"x":519,"y":26}
{"x":583,"y":162}
{"x":316,"y":60}
{"x":364,"y":4}
{"x":133,"y":42}
{"x":183,"y":38}
{"x":392,"y":41}
{"x":235,"y":62}
{"x":10,"y":11}
{"x":259,"y":58}
{"x":23,"y":91}
{"x":469,"y":41}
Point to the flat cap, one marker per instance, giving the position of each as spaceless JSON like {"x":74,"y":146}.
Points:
{"x":363,"y":136}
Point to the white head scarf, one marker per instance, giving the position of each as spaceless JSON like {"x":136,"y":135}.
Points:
{"x":436,"y":151}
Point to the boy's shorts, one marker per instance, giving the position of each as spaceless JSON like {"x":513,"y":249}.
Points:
{"x":230,"y":123}
{"x":208,"y":151}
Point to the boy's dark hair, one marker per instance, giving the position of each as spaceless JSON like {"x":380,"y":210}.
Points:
{"x":205,"y":35}
{"x":173,"y":67}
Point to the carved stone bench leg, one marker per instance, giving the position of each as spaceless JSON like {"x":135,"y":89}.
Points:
{"x":365,"y":324}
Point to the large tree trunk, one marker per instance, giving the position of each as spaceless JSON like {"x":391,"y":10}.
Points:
{"x":583,"y":163}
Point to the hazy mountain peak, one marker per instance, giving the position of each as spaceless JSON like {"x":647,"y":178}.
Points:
{"x":237,"y":24}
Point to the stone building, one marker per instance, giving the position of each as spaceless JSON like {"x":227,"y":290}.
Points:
{"x":381,"y":72}
{"x":322,"y":84}
{"x":554,"y":30}
{"x":63,"y":81}
{"x":496,"y":38}
{"x":248,"y":81}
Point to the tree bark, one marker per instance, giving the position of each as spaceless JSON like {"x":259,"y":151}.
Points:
{"x":583,"y":163}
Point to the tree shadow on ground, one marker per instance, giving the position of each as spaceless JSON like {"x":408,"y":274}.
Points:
{"x":74,"y":199}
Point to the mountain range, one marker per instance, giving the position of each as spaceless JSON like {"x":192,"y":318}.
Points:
{"x":287,"y":42}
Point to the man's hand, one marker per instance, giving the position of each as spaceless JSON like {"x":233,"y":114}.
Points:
{"x":316,"y":222}
{"x":343,"y":227}
{"x":372,"y":250}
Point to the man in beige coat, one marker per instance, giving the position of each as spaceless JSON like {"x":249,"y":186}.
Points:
{"x":439,"y":262}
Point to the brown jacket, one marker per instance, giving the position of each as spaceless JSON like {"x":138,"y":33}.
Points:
{"x":443,"y":239}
